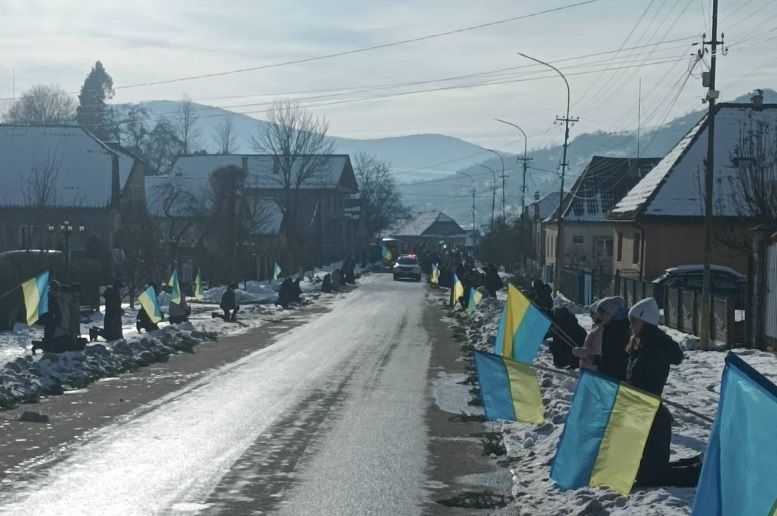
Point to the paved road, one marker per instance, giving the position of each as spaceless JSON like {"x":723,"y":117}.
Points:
{"x":328,"y":419}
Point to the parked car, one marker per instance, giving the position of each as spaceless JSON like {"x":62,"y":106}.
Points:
{"x":725,"y":281}
{"x":407,"y":266}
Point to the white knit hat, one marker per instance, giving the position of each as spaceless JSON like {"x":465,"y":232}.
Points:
{"x":646,"y":310}
{"x":611,"y":305}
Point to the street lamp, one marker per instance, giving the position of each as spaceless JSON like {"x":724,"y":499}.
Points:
{"x":493,"y":197}
{"x":559,"y":235}
{"x":504,"y":217}
{"x":66,"y":228}
{"x":473,"y":204}
{"x":525,"y":159}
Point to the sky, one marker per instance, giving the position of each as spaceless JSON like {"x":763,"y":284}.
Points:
{"x":379,"y":93}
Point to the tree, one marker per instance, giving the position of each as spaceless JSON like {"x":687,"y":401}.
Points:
{"x":185,"y":122}
{"x":225,"y":136}
{"x":299,"y":141}
{"x":92,"y":112}
{"x":42,"y":105}
{"x":381,"y":202}
{"x":751,"y":192}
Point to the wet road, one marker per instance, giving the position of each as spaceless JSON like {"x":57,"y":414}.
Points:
{"x":329,"y":419}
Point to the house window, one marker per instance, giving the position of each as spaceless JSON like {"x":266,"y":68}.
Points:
{"x":577,"y":239}
{"x":603,"y":247}
{"x":620,"y":247}
{"x":636,"y":255}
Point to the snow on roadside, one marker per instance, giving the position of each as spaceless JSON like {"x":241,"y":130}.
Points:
{"x":25,"y":378}
{"x":531,"y":448}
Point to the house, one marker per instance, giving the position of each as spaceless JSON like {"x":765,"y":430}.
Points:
{"x":430,"y":228}
{"x":326,"y":223}
{"x":57,"y":174}
{"x":660,"y":222}
{"x":588,"y":240}
{"x":538,"y":211}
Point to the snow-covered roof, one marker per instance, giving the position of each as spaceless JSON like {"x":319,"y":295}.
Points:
{"x":334,"y":170}
{"x":79,"y":167}
{"x":603,"y":183}
{"x":674,"y":187}
{"x":421,"y":223}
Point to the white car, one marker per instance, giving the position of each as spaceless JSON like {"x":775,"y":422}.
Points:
{"x":407,"y":266}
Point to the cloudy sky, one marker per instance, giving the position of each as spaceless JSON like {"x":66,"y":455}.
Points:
{"x":454,"y":84}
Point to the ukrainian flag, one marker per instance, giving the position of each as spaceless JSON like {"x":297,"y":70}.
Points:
{"x":457,"y":290}
{"x":385,"y":253}
{"x":604,"y":435}
{"x":737,"y":475}
{"x":175,"y":293}
{"x":509,"y":389}
{"x":276,"y":270}
{"x":199,"y":294}
{"x":435,"y":276}
{"x":36,"y":302}
{"x":150,"y":304}
{"x":522,"y":328}
{"x":474,"y":299}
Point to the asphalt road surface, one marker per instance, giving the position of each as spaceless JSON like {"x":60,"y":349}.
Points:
{"x":331,"y":417}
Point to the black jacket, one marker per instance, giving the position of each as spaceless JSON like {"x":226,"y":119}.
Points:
{"x":493,"y":282}
{"x":112,"y":303}
{"x":648,"y":366}
{"x":228,"y":300}
{"x":615,"y":338}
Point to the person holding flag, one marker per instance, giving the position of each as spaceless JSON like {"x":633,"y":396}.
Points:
{"x":145,"y":320}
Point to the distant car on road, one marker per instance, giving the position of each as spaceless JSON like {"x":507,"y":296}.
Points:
{"x":407,"y":266}
{"x":725,"y":280}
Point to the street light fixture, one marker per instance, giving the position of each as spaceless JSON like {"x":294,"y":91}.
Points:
{"x":504,"y":217}
{"x":559,"y":235}
{"x":493,"y":197}
{"x":66,"y":228}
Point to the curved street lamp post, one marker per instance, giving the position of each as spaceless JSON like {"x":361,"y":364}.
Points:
{"x":493,"y":197}
{"x":473,"y":204}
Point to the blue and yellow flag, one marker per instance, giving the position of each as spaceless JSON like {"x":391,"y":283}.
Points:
{"x":199,"y":294}
{"x":509,"y":389}
{"x":36,"y":302}
{"x":175,"y":292}
{"x":457,"y":290}
{"x":474,"y":299}
{"x":434,"y":277}
{"x":737,"y":475}
{"x":604,"y":434}
{"x":522,"y":328}
{"x":150,"y":304}
{"x":276,"y":270}
{"x":385,"y":253}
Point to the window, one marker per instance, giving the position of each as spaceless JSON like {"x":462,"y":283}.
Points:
{"x":620,"y":247}
{"x":603,"y":247}
{"x":637,"y":251}
{"x":577,"y":239}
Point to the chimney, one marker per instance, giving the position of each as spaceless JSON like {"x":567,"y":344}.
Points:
{"x":758,"y":99}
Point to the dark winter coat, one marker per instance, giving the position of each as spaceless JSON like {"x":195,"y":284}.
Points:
{"x":648,"y":366}
{"x":296,"y":291}
{"x":565,"y":328}
{"x":53,"y":317}
{"x":543,"y":296}
{"x":326,"y":285}
{"x":615,"y":338}
{"x":113,"y":312}
{"x":228,"y":300}
{"x":493,"y":282}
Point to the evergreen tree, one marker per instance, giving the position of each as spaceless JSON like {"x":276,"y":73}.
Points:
{"x":93,"y":113}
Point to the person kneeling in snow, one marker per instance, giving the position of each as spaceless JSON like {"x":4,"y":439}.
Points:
{"x":143,"y":320}
{"x":651,"y":353}
{"x":179,"y":312}
{"x":228,"y":304}
{"x":326,"y":285}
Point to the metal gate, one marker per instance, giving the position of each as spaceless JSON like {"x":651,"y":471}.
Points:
{"x":770,"y":313}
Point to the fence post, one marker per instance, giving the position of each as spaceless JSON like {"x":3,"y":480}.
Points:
{"x":696,"y":312}
{"x":713,"y":320}
{"x":760,"y":236}
{"x":730,"y":322}
{"x":680,"y":311}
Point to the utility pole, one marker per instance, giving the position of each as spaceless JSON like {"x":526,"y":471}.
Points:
{"x":473,"y":204}
{"x":564,"y":164}
{"x":504,"y":217}
{"x":709,"y":173}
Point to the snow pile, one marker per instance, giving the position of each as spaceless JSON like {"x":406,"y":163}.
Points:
{"x":530,"y":448}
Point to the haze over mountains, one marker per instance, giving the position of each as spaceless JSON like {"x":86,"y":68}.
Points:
{"x":426,"y":164}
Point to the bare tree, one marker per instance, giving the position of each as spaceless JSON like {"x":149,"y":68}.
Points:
{"x":225,"y":137}
{"x":185,"y":120}
{"x":298,"y":140}
{"x":381,"y":202}
{"x":42,"y":105}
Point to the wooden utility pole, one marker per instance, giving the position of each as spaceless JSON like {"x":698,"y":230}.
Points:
{"x":709,"y":173}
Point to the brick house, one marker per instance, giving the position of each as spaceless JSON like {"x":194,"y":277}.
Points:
{"x":660,"y":222}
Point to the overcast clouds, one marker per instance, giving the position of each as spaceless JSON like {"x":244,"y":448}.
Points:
{"x":139,"y":41}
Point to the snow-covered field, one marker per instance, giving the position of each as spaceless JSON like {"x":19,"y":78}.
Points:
{"x":25,"y":378}
{"x":530,"y":448}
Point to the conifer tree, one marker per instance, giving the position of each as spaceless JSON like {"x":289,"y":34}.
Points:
{"x":92,"y":112}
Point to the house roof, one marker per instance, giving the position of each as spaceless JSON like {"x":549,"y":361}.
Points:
{"x":674,"y":187}
{"x":335,"y":170}
{"x":547,"y":205}
{"x":422,"y":223}
{"x":602,"y":184}
{"x":81,"y":167}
